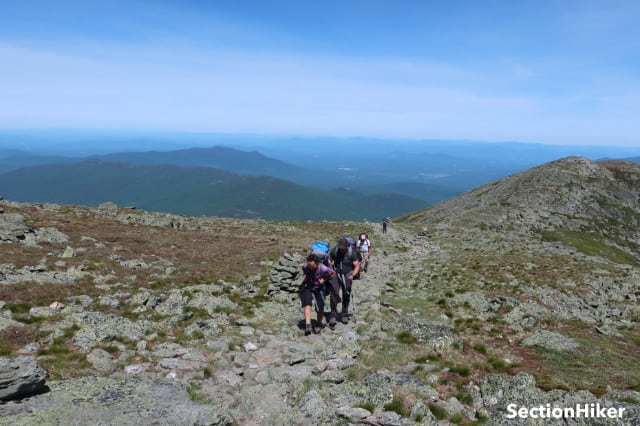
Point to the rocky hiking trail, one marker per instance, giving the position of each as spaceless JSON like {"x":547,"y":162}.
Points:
{"x":132,"y":339}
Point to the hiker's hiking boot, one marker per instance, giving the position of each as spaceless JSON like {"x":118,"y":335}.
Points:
{"x":318,"y":328}
{"x":308,"y":330}
{"x":345,"y":318}
{"x":332,"y":322}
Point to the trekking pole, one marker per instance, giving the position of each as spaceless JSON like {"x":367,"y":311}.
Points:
{"x":343,"y":284}
{"x":353,"y":304}
{"x":343,"y":281}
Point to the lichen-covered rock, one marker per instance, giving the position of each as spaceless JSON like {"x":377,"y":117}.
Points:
{"x":96,"y":327}
{"x":377,"y":389}
{"x":101,"y":360}
{"x":20,"y":377}
{"x":312,"y":405}
{"x":436,"y":335}
{"x":168,"y":350}
{"x":8,"y":322}
{"x":149,"y":219}
{"x":9,"y":274}
{"x":173,"y":305}
{"x":497,"y":392}
{"x":13,"y":227}
{"x":105,"y":401}
{"x":353,"y":413}
{"x":51,"y":235}
{"x":550,"y":340}
{"x":384,"y":418}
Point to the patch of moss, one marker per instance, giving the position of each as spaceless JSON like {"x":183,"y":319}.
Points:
{"x":480,"y":348}
{"x":397,"y":405}
{"x":366,"y":405}
{"x":461,"y":371}
{"x":456,"y":418}
{"x":438,"y":412}
{"x":5,"y":349}
{"x":406,"y":337}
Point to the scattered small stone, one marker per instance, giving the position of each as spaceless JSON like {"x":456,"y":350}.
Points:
{"x":169,"y":363}
{"x":250,"y":347}
{"x":101,"y":360}
{"x":135,"y":368}
{"x":69,"y":252}
{"x":247,"y":331}
{"x":218,"y":346}
{"x":353,"y":413}
{"x":57,"y":305}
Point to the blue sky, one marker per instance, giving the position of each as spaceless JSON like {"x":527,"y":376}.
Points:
{"x":558,"y":72}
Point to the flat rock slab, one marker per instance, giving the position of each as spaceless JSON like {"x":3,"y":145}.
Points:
{"x":433,"y":334}
{"x":20,"y":377}
{"x":550,"y":340}
{"x":105,"y":401}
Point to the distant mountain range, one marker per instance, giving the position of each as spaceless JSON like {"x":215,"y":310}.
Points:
{"x":250,"y":163}
{"x":354,"y":174}
{"x":194,"y":191}
{"x":15,"y":159}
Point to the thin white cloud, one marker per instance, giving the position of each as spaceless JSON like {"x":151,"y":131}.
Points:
{"x":167,"y":88}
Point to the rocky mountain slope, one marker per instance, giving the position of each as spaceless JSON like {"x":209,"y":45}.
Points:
{"x":148,"y":318}
{"x":594,"y":207}
{"x":572,"y":192}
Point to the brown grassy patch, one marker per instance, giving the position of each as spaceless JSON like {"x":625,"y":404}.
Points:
{"x":14,"y":338}
{"x":226,"y":249}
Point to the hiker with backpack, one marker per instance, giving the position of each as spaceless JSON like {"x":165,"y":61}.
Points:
{"x":365,"y":248}
{"x":316,"y":275}
{"x":346,"y":263}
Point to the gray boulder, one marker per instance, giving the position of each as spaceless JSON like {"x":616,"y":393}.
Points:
{"x":436,"y":335}
{"x":20,"y":377}
{"x":13,"y":228}
{"x":51,"y":235}
{"x":550,"y":340}
{"x":96,"y":327}
{"x":8,"y":322}
{"x":496,"y":393}
{"x":105,"y":401}
{"x":101,"y":360}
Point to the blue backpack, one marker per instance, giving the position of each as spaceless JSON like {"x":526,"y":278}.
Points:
{"x":321,"y":249}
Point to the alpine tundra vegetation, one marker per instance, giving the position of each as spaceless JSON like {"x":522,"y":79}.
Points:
{"x":521,"y":294}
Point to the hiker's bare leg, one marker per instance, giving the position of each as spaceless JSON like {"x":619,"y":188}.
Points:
{"x":307,"y":314}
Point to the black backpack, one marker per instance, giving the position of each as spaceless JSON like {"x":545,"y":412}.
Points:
{"x":350,"y":240}
{"x":352,"y":251}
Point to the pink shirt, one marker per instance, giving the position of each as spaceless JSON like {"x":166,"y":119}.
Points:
{"x":322,"y":271}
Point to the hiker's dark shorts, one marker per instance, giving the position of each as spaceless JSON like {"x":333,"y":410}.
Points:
{"x":307,"y":297}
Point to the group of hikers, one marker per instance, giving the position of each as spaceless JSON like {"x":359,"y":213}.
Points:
{"x":332,"y":271}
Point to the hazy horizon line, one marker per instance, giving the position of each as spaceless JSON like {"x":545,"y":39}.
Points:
{"x":79,"y":132}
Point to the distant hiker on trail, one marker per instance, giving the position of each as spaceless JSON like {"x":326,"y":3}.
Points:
{"x":365,"y":248}
{"x":316,"y":275}
{"x":385,"y":222}
{"x":346,"y":262}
